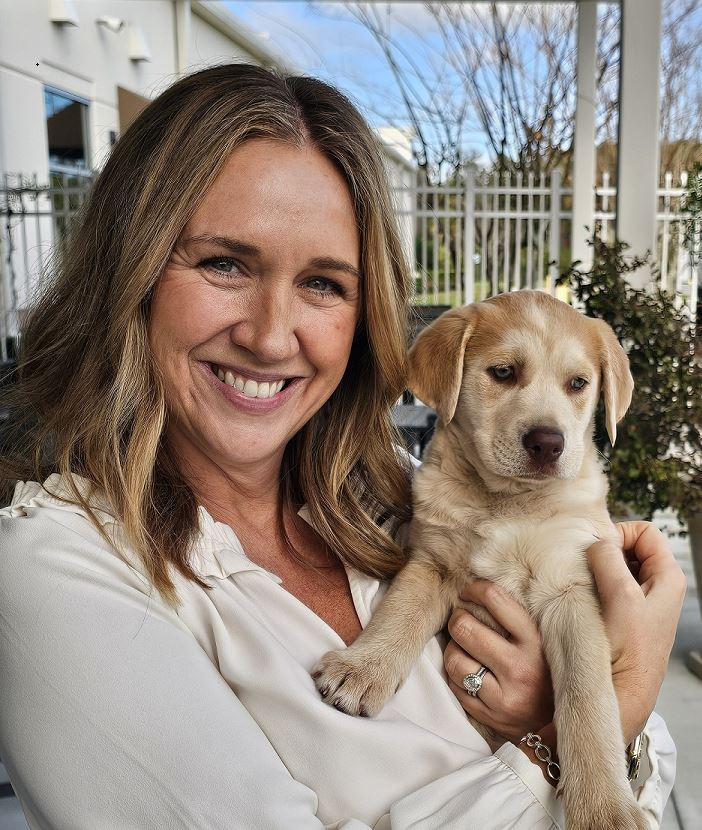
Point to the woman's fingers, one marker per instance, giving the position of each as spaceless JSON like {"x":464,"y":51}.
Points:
{"x":503,"y":608}
{"x":485,"y":645}
{"x":640,"y":615}
{"x":610,"y":570}
{"x":517,"y":694}
{"x":650,"y":547}
{"x":642,"y":538}
{"x":474,"y":706}
{"x":458,"y":664}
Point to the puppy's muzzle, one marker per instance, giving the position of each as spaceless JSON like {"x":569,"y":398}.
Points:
{"x":544,"y":446}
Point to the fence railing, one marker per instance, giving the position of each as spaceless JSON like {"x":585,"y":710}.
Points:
{"x":497,"y":233}
{"x":486,"y":235}
{"x":33,"y":218}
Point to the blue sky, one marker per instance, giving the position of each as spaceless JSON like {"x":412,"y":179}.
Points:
{"x":324,"y":40}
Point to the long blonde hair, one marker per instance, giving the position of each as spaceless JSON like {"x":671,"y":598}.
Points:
{"x":89,"y":401}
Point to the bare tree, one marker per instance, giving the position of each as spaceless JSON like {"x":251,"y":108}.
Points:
{"x":508,"y":72}
{"x":681,"y":90}
{"x":505,"y":71}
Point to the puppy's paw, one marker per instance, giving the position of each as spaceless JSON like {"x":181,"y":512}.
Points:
{"x":355,"y":681}
{"x":604,"y":810}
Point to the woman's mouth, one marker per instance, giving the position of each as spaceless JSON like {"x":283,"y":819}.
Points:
{"x":247,"y":386}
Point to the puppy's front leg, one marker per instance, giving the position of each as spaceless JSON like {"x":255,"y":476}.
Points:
{"x":361,"y":678}
{"x":594,"y":786}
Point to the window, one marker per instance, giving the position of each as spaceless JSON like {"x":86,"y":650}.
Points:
{"x":66,"y":125}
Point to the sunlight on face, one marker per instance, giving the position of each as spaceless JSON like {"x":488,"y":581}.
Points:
{"x":253,"y":318}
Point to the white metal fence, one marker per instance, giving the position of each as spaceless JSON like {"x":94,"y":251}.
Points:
{"x":482,"y":236}
{"x":496,"y":233}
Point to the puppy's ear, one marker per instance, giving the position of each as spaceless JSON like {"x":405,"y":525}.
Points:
{"x":617,"y":383}
{"x":436,"y":360}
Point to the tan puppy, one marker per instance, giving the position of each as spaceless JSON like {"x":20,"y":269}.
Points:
{"x":511,"y":491}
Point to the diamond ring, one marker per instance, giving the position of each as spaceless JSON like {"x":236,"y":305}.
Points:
{"x":473,"y":682}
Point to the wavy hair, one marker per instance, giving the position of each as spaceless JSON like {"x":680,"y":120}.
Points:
{"x":89,"y":400}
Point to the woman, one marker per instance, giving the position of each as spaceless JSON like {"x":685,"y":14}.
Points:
{"x":207,"y":387}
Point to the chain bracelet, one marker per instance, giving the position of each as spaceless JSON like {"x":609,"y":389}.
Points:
{"x":543,"y":753}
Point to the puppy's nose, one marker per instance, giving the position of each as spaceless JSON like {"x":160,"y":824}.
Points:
{"x":544,"y":445}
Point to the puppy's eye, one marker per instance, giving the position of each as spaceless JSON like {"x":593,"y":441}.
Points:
{"x":578,"y":383}
{"x":502,"y":372}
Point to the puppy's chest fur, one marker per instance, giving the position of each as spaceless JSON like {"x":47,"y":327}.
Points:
{"x":531,"y":543}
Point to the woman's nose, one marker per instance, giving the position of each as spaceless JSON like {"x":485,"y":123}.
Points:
{"x":268,"y":330}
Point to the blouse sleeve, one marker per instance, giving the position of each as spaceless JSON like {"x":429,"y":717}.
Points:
{"x":507,"y":790}
{"x":113,"y":718}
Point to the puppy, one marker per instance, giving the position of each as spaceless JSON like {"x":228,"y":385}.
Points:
{"x":511,"y":491}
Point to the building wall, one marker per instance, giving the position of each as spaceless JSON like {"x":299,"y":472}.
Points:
{"x":209,"y":46}
{"x":87,"y":61}
{"x":402,"y":178}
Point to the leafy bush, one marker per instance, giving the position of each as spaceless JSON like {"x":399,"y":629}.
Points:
{"x":657,"y":460}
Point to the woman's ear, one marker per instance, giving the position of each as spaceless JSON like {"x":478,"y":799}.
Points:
{"x":436,"y":360}
{"x":617,"y":382}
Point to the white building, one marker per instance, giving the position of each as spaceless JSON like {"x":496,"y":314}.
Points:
{"x":73,"y":76}
{"x":74,"y":73}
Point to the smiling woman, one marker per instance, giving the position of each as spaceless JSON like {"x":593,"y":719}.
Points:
{"x":274,"y":310}
{"x":234,"y":194}
{"x":209,"y":496}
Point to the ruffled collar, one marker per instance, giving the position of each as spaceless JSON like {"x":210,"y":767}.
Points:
{"x":216,"y":552}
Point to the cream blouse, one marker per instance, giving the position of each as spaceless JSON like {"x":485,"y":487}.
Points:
{"x":117,"y":712}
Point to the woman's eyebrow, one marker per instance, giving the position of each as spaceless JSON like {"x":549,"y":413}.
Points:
{"x":335,"y":265}
{"x":237,"y":247}
{"x":233,"y":245}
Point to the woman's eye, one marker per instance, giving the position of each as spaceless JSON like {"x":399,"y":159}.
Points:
{"x":502,"y":372}
{"x":221,"y":264}
{"x":577,"y":383}
{"x":325,"y":287}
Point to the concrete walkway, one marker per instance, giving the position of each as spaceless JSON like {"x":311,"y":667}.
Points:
{"x":680,"y":700}
{"x":680,"y":704}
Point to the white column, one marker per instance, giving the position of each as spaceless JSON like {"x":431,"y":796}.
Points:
{"x":183,"y":35}
{"x":637,"y":177}
{"x":554,"y":231}
{"x":469,"y":237}
{"x":584,"y":136}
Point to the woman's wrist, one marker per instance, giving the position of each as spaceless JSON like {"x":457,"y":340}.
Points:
{"x":632,"y":718}
{"x":632,"y":713}
{"x":548,"y":737}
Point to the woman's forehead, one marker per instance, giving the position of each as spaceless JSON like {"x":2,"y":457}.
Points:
{"x":274,"y":194}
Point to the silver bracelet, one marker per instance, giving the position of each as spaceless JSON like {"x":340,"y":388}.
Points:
{"x":543,"y":753}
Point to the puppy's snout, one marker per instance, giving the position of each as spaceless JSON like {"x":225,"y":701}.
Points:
{"x":544,"y":445}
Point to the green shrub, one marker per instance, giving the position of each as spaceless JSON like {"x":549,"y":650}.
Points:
{"x":657,"y":460}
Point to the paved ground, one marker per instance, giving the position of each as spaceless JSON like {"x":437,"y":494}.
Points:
{"x":680,"y":703}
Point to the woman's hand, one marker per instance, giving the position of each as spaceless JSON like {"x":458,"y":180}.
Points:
{"x":641,"y":615}
{"x":516,"y":696}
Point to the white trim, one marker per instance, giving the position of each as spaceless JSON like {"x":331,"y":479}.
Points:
{"x":637,"y":155}
{"x":584,"y":138}
{"x":395,"y":154}
{"x":183,"y":29}
{"x":236,"y":30}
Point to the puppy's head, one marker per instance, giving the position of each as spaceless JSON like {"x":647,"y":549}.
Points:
{"x":520,"y":374}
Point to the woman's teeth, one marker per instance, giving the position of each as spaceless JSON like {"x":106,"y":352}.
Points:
{"x":251,"y":388}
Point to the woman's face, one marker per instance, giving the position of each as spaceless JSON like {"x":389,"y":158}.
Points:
{"x":253,"y":317}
